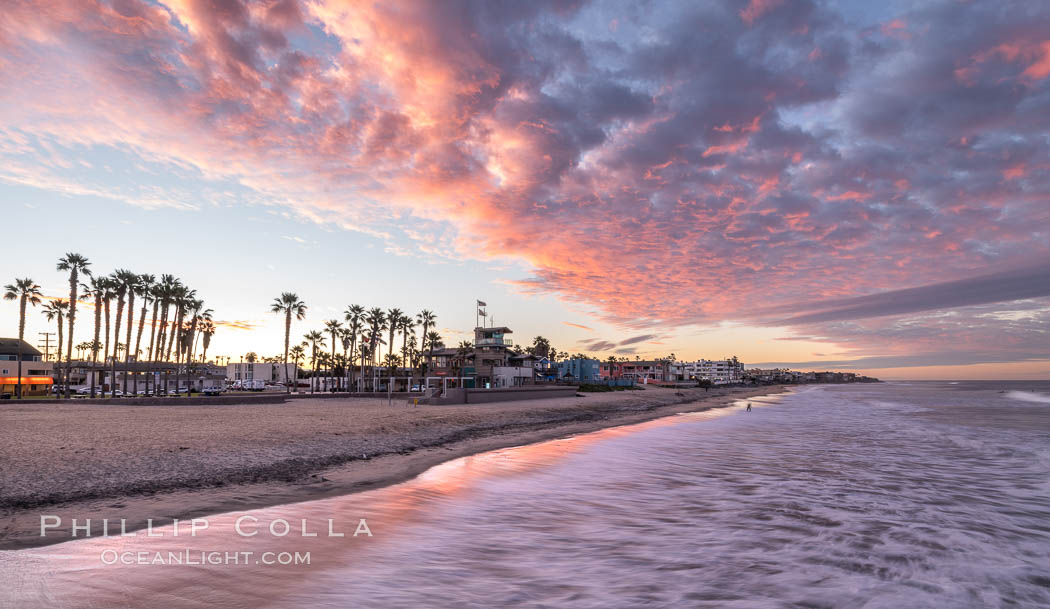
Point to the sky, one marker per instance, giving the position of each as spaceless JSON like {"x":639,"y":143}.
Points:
{"x":821,"y":185}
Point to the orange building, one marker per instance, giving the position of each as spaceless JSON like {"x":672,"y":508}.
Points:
{"x":36,"y":377}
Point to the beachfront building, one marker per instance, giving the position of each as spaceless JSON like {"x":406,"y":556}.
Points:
{"x":718,"y":371}
{"x":641,"y":371}
{"x":580,"y":370}
{"x":492,"y":349}
{"x":37,"y":375}
{"x":491,"y":362}
{"x":774,"y":375}
{"x":264,"y":371}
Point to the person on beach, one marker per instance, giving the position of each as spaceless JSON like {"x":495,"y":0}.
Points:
{"x":749,"y":406}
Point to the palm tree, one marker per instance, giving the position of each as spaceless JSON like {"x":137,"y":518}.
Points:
{"x":393,"y":319}
{"x":426,"y":319}
{"x":354,"y":316}
{"x":408,"y":325}
{"x":24,"y":291}
{"x":184,"y":296}
{"x":540,"y":347}
{"x":346,"y":338}
{"x":121,"y":280}
{"x":333,"y":327}
{"x":289,"y":304}
{"x":82,"y":348}
{"x":375,"y":319}
{"x":196,"y":308}
{"x":57,"y":309}
{"x":107,"y":297}
{"x":130,"y":283}
{"x":163,"y":295}
{"x":315,"y":338}
{"x":96,"y":291}
{"x":158,"y":292}
{"x":144,"y":288}
{"x":75,"y":264}
{"x":362,"y":353}
{"x":207,"y":331}
{"x":433,"y":342}
{"x":250,"y":357}
{"x":297,"y":352}
{"x":462,"y":353}
{"x":323,"y":362}
{"x":392,"y":361}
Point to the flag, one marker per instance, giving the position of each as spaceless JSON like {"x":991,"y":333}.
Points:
{"x":481,"y":313}
{"x":482,"y":304}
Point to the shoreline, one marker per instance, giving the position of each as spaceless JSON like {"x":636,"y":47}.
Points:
{"x":304,"y":468}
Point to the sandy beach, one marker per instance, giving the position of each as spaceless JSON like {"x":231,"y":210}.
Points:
{"x":77,"y":460}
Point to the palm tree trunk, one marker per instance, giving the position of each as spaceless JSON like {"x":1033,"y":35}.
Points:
{"x":127,"y":340}
{"x":94,"y":346}
{"x":287,"y":336}
{"x":331,"y":364}
{"x":161,"y":339}
{"x":350,"y":362}
{"x":175,"y":340}
{"x":73,"y":276}
{"x":138,"y":341}
{"x":116,"y":347}
{"x":346,"y":366}
{"x":155,"y":332}
{"x":58,"y":359}
{"x":404,"y":347}
{"x":21,"y":335}
{"x":191,"y":339}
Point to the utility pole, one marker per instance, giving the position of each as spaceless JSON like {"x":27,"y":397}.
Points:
{"x":45,"y":344}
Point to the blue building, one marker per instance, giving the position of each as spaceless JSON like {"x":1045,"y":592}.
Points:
{"x":580,"y":371}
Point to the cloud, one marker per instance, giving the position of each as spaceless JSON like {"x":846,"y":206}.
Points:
{"x":702,"y":163}
{"x":597,"y":345}
{"x":941,"y":358}
{"x":1007,"y":286}
{"x":638,"y":339}
{"x":237,"y":324}
{"x":582,"y":327}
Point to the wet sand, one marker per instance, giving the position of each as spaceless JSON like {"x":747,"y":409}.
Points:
{"x":76,"y":460}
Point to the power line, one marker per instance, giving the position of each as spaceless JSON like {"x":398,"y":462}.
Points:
{"x":46,"y":346}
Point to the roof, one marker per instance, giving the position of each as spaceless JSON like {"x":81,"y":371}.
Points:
{"x":9,"y":346}
{"x":496,"y":329}
{"x":444,"y":351}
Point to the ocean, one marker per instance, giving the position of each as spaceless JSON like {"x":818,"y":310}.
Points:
{"x":895,"y":495}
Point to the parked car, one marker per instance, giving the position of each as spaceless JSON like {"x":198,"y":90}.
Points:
{"x":213,"y":387}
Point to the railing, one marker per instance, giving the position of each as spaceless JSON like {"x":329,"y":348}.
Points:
{"x":506,"y":342}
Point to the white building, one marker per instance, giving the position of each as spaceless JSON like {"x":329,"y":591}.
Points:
{"x":270,"y":373}
{"x":718,"y":371}
{"x":512,"y":376}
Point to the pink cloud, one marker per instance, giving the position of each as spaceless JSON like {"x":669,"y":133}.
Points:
{"x":757,"y":8}
{"x":681,"y":175}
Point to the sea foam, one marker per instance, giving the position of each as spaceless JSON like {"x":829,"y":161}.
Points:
{"x":1028,"y":396}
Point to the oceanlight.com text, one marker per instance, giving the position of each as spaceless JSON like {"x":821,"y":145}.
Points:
{"x":204,"y":558}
